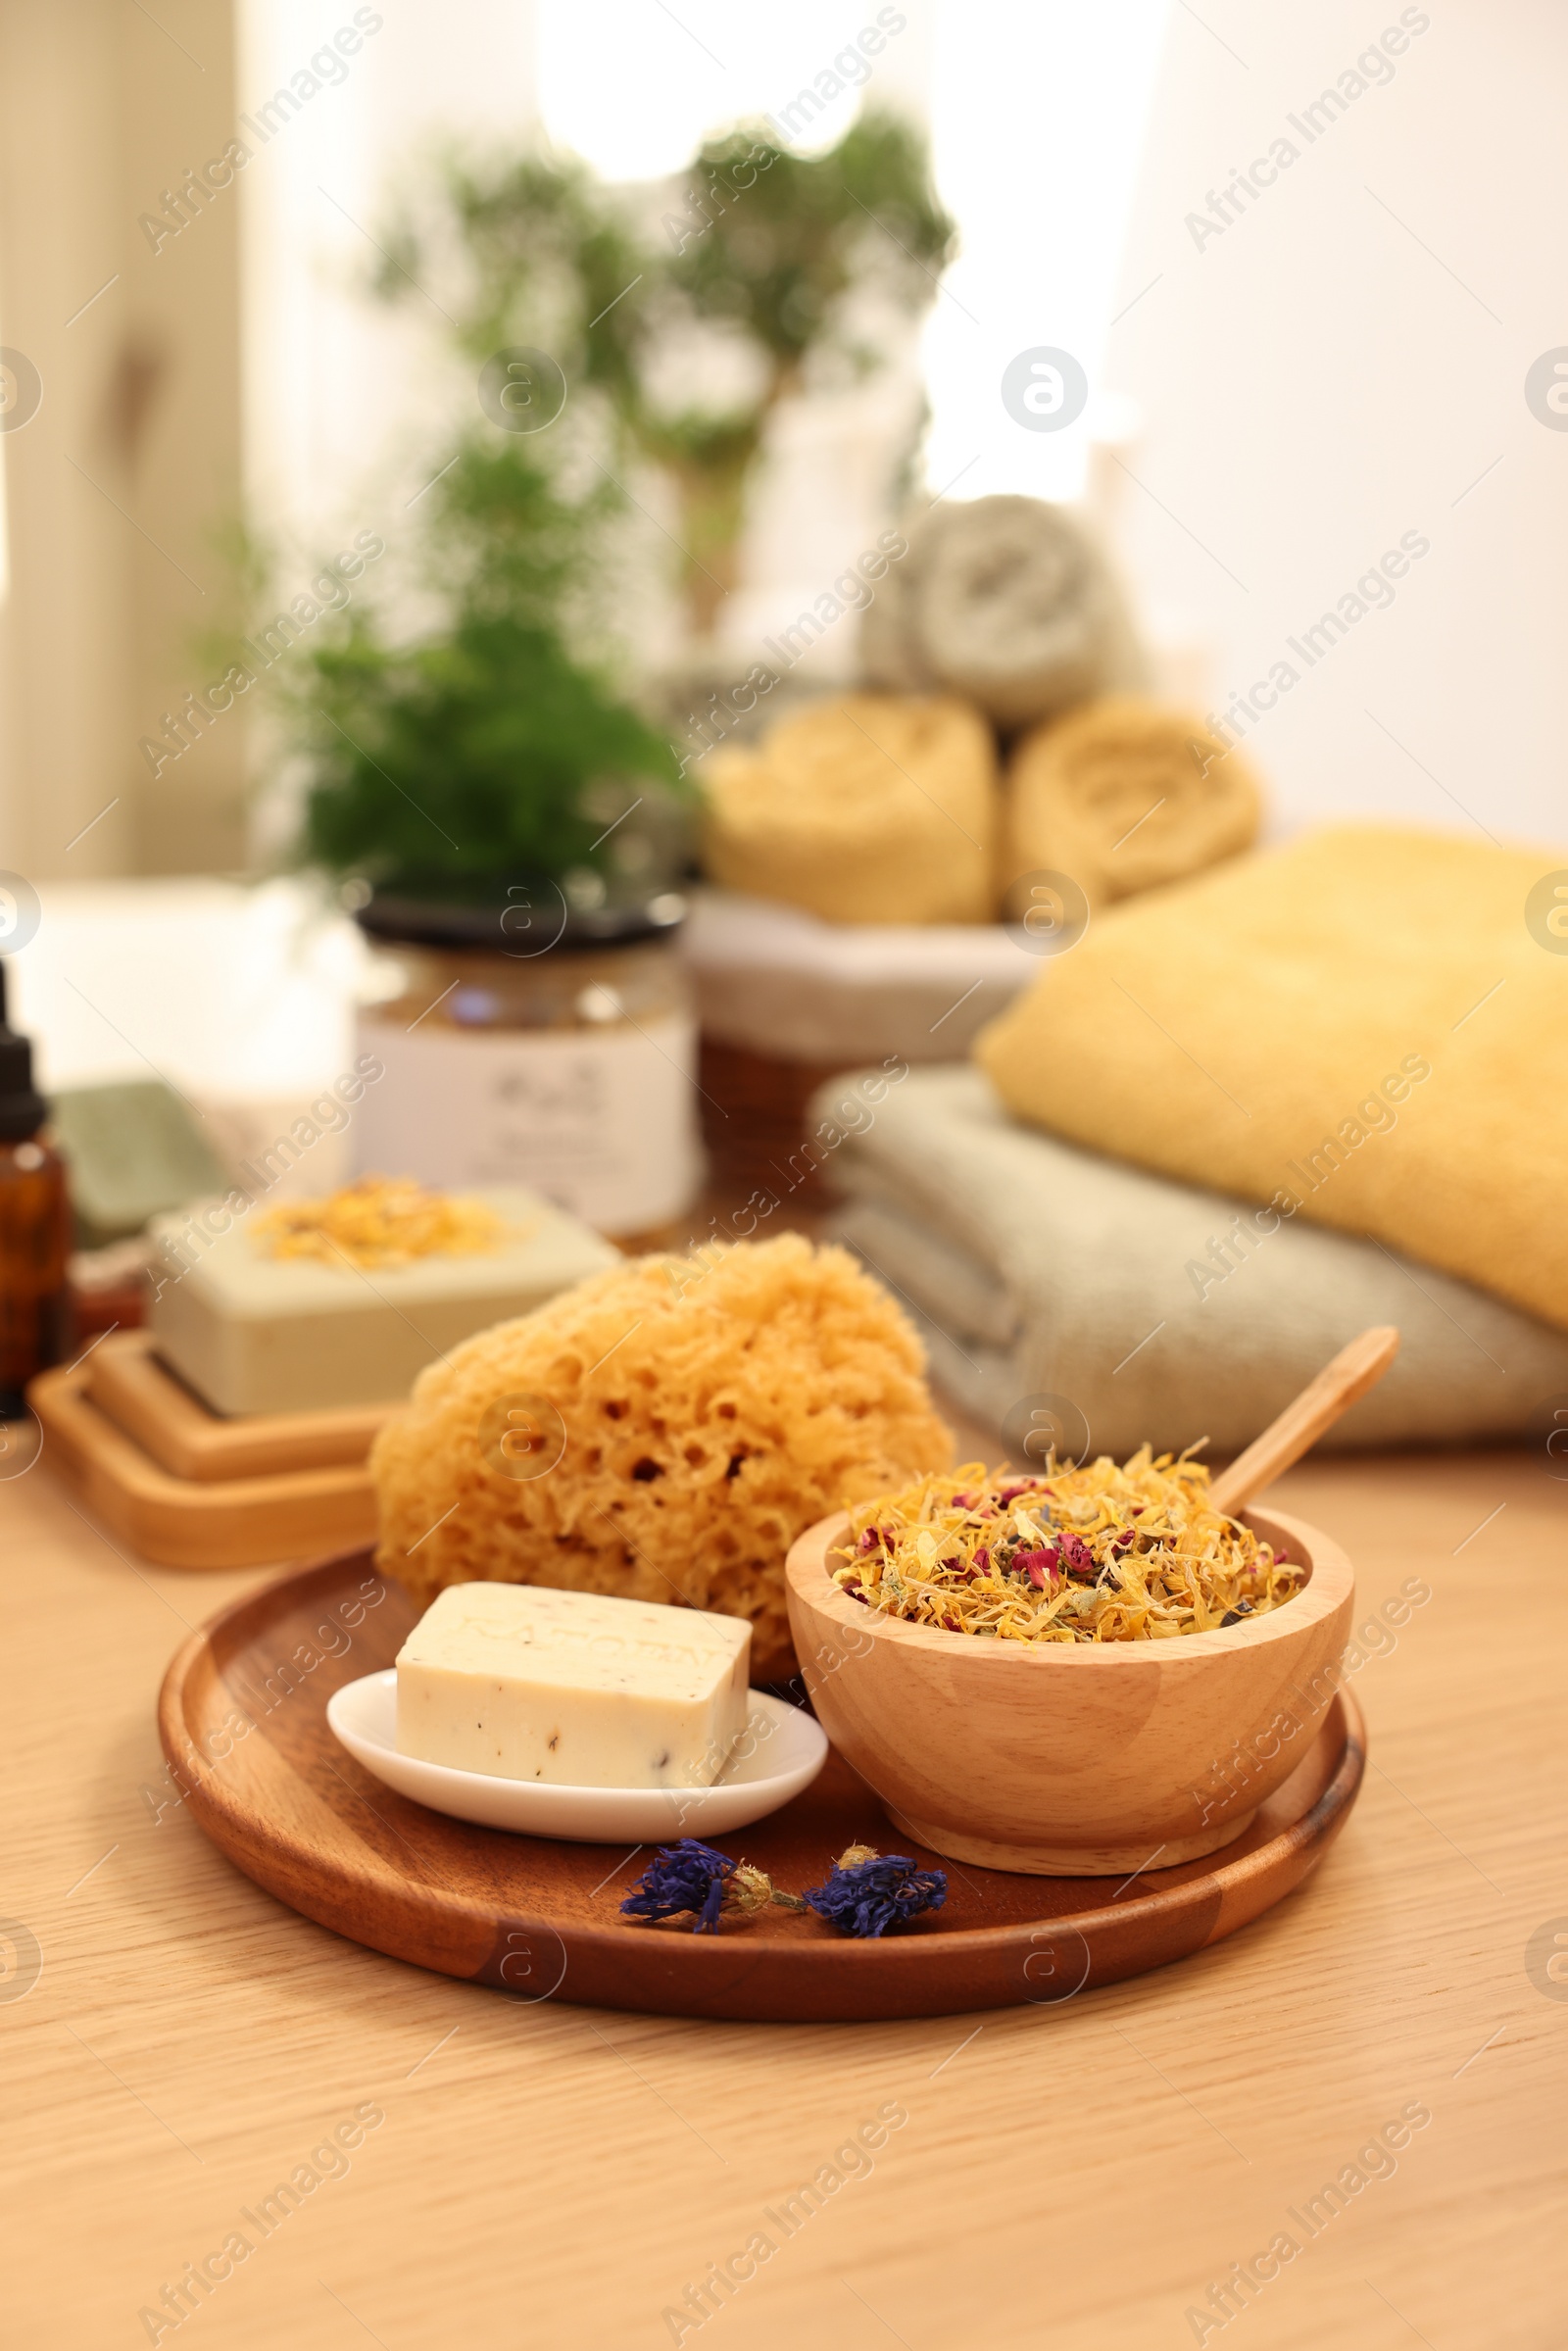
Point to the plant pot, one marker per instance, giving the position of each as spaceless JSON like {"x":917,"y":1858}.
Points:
{"x":524,"y":1040}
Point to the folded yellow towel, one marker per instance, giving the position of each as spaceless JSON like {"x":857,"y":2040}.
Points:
{"x":1360,"y":1027}
{"x":1125,"y":794}
{"x":866,"y":808}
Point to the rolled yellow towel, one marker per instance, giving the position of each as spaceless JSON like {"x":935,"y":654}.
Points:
{"x":869,"y":808}
{"x":1368,"y":1028}
{"x":1123,"y":795}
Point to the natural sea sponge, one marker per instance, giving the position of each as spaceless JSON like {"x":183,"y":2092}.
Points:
{"x":1125,"y":794}
{"x":662,"y":1431}
{"x":866,"y":808}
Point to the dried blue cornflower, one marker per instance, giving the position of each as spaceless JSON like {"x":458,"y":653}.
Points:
{"x":867,"y":1892}
{"x":691,"y":1875}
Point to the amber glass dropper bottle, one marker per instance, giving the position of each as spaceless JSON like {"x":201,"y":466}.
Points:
{"x":34,"y":1226}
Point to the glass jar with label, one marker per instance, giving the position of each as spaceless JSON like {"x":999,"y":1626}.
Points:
{"x":527,"y":1041}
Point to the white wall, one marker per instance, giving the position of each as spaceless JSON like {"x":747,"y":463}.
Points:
{"x":1038,"y":112}
{"x":1322,"y":377}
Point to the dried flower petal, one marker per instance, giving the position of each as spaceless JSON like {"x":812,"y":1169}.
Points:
{"x":866,"y":1893}
{"x":689,"y":1876}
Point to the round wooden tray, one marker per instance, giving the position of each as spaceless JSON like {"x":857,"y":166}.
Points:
{"x":243,"y":1722}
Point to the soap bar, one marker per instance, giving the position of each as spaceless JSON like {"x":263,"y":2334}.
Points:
{"x":572,"y":1689}
{"x":256,"y":1333}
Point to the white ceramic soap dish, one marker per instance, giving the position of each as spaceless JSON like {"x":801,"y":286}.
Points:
{"x":781,"y":1751}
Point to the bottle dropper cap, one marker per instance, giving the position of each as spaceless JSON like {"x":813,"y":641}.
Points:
{"x":23,"y":1108}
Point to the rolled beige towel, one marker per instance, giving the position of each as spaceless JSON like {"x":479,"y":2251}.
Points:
{"x":1124,"y":795}
{"x":869,"y":808}
{"x":1008,"y":602}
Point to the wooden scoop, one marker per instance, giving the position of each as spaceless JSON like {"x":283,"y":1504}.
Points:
{"x":1353,"y":1370}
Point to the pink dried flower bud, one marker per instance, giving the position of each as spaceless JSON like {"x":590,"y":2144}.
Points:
{"x":1076,"y":1557}
{"x":1036,"y":1566}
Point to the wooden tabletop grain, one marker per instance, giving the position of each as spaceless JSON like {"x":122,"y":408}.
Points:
{"x":474,"y":2170}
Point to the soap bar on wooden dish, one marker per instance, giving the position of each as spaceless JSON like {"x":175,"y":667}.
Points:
{"x":255,"y":1331}
{"x":527,"y":1683}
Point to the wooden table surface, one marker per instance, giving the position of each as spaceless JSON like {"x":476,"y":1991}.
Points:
{"x":1076,"y":2177}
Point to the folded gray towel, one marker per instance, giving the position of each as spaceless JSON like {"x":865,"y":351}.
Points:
{"x":1008,"y":602}
{"x":1144,"y":1308}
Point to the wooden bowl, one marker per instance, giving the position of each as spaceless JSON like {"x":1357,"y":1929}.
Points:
{"x":1073,"y":1760}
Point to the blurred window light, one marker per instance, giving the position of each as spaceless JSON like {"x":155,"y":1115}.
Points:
{"x":634,"y":87}
{"x":1037,"y":134}
{"x":337,"y":383}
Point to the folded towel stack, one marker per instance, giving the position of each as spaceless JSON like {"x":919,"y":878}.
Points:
{"x":1062,"y":1293}
{"x":1364,"y":1028}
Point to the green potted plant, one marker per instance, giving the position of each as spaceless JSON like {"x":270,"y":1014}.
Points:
{"x":511,"y":830}
{"x":758,"y":247}
{"x":781,"y":260}
{"x":510,"y":824}
{"x":483,"y":751}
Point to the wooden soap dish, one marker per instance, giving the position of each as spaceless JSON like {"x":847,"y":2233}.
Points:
{"x":130,"y":1382}
{"x":209,"y":1518}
